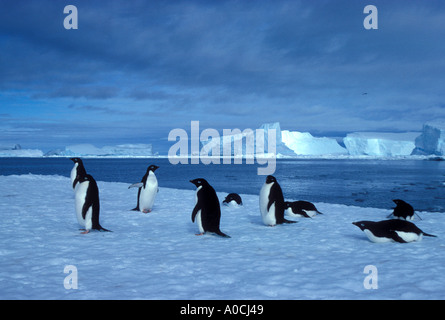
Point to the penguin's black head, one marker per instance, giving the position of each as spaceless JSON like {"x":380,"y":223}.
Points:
{"x":86,"y":177}
{"x":228,"y":198}
{"x":76,"y":160}
{"x":270,"y":179}
{"x":233,"y":196}
{"x":152,"y":168}
{"x":199,"y":182}
{"x":361,"y":224}
{"x":401,"y":202}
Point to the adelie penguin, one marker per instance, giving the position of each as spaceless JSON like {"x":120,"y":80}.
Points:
{"x":233,"y":200}
{"x":148,"y":189}
{"x":403,"y":210}
{"x":207,"y":211}
{"x":87,"y":204}
{"x":78,"y":171}
{"x":391,"y":230}
{"x":300,"y":208}
{"x":272,"y":203}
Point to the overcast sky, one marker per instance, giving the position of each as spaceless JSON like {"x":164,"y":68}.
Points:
{"x":134,"y":70}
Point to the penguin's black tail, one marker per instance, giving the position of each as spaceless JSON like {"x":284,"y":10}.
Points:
{"x":100,"y":228}
{"x":288,"y":221}
{"x":219,"y":233}
{"x":429,"y":235}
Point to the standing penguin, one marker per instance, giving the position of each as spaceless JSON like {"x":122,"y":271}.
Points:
{"x":87,"y":204}
{"x":148,"y":188}
{"x":403,"y":210}
{"x":272,"y":203}
{"x":207,"y":211}
{"x":77,"y":172}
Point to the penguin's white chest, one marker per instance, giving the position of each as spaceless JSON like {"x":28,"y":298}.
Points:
{"x":148,"y":194}
{"x":198,"y":214}
{"x":409,"y":236}
{"x":267,"y":215}
{"x":73,"y":173}
{"x":375,"y":239}
{"x":232,"y":204}
{"x":290,"y":213}
{"x":199,"y":222}
{"x":80,"y":196}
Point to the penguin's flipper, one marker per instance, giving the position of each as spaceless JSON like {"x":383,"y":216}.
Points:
{"x":88,"y":203}
{"x":304,"y":214}
{"x":195,"y":210}
{"x":396,"y":237}
{"x":76,"y":180}
{"x":136,"y":185}
{"x":137,"y":205}
{"x":288,"y":221}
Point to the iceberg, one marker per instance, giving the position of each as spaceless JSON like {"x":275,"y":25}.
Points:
{"x":244,"y":143}
{"x":89,"y":150}
{"x":431,"y":141}
{"x":287,"y":144}
{"x":380,"y":144}
{"x":17,"y":151}
{"x":303,"y":143}
{"x":281,"y":147}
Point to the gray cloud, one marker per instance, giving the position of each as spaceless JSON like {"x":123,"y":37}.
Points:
{"x":226,"y":63}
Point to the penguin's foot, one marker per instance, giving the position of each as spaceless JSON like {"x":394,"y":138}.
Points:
{"x":146,"y":210}
{"x":199,"y":234}
{"x":85,"y":232}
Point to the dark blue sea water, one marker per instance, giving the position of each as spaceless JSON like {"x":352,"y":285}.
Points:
{"x":366,"y":183}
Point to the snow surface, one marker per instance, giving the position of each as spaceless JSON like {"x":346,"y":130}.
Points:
{"x":158,"y":255}
{"x":380,"y":144}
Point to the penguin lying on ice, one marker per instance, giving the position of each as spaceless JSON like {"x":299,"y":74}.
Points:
{"x":300,"y":209}
{"x":391,"y":230}
{"x":233,"y":199}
